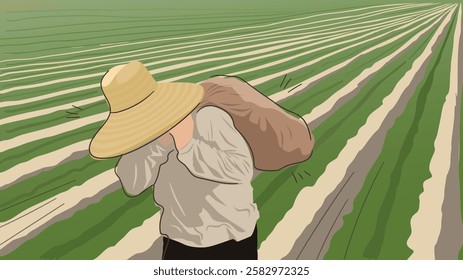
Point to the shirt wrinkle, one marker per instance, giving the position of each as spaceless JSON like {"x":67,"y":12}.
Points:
{"x":176,"y":200}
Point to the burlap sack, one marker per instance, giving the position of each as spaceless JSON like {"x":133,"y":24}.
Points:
{"x":276,"y":137}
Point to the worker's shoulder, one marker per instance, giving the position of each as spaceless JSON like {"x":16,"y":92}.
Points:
{"x":212,"y":114}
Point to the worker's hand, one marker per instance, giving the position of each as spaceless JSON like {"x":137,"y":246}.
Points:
{"x":165,"y":140}
{"x":183,"y":132}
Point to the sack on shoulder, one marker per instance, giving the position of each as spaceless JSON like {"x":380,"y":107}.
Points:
{"x":277,"y":138}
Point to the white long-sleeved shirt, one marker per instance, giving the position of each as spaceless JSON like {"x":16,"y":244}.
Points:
{"x":204,"y":189}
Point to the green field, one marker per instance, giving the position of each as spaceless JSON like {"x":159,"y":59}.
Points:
{"x":53,"y":55}
{"x":389,"y":196}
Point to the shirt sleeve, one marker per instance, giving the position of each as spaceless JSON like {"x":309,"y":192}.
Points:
{"x":219,"y":153}
{"x":139,"y":169}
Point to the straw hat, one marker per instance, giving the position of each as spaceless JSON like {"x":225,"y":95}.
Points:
{"x":141,"y":109}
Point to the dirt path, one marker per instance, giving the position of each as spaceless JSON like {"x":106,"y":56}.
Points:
{"x":335,"y":100}
{"x":437,"y":230}
{"x":42,"y":163}
{"x":272,"y":53}
{"x":449,"y":238}
{"x":176,"y":58}
{"x":39,"y":113}
{"x":451,"y":234}
{"x":30,"y":222}
{"x":318,"y":210}
{"x":402,"y":22}
{"x":202,"y":35}
{"x":5,"y":104}
{"x":137,"y":242}
{"x":190,"y":48}
{"x":23,"y":139}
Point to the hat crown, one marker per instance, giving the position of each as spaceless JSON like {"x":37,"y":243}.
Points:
{"x":140,"y":109}
{"x":124,"y":86}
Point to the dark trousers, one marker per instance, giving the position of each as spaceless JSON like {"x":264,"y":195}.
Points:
{"x":245,"y":249}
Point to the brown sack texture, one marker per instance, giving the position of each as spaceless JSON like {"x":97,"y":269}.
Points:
{"x":276,"y":137}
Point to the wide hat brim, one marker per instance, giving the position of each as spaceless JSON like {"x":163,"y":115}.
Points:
{"x":130,"y":129}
